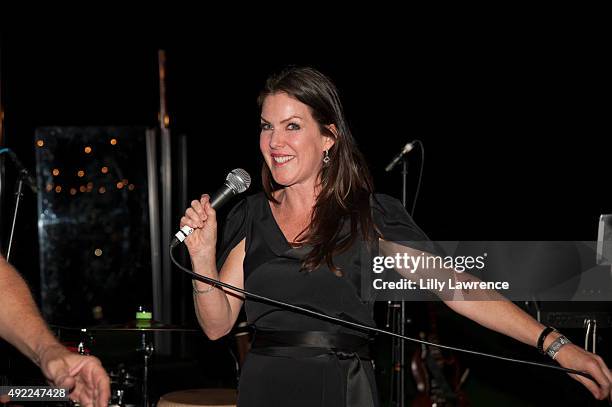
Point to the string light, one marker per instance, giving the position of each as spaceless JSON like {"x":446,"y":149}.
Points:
{"x":56,"y":172}
{"x":82,"y":188}
{"x":40,"y":143}
{"x":87,"y":150}
{"x":81,"y":173}
{"x":49,"y":187}
{"x":58,"y":189}
{"x":113,"y":141}
{"x":73,"y":191}
{"x":104,"y":170}
{"x":101,"y":190}
{"x":131,"y":187}
{"x":98,"y":252}
{"x":119,"y":185}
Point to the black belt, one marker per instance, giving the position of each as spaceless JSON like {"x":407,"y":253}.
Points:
{"x":348,"y":350}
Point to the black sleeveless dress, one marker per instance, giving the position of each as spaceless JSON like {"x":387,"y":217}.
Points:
{"x":295,"y":376}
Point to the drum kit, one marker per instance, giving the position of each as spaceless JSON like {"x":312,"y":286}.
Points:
{"x":130,"y":389}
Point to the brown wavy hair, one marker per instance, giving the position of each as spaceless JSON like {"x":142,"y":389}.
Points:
{"x":346,"y":182}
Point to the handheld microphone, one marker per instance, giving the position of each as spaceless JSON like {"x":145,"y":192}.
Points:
{"x":407,"y":148}
{"x":23,"y":172}
{"x":236,"y":183}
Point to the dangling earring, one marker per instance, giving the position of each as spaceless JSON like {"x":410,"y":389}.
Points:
{"x":326,"y":159}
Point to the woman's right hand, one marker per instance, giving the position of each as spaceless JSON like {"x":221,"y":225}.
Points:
{"x":202,"y":218}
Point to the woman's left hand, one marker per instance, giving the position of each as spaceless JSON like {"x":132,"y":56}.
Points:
{"x":574,"y":357}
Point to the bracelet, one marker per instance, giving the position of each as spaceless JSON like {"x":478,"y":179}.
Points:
{"x":543,"y":335}
{"x":196,"y":291}
{"x":557,"y":344}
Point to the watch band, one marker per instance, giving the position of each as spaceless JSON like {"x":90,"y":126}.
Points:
{"x":543,"y":335}
{"x":557,"y":344}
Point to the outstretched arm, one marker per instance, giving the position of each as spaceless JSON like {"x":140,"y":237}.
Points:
{"x":506,"y":318}
{"x":493,"y":311}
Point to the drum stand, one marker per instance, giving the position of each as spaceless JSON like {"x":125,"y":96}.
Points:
{"x":147,"y":349}
{"x":143,"y":327}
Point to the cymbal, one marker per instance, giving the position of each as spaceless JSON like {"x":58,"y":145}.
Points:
{"x":142,"y":325}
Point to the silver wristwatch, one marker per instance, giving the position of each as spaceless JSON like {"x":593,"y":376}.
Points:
{"x":554,"y":347}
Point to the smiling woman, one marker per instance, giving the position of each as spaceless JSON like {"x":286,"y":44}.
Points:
{"x":310,"y":153}
{"x":301,"y":241}
{"x":291,"y":141}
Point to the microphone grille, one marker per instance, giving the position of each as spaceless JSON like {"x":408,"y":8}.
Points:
{"x":239,"y":180}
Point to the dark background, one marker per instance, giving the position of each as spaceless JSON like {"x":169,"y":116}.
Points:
{"x":516,"y":131}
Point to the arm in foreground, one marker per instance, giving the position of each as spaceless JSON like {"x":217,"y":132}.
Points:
{"x":22,"y":326}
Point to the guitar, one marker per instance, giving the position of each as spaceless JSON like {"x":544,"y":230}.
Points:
{"x":438,"y":377}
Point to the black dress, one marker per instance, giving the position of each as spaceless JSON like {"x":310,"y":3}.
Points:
{"x":319,"y":376}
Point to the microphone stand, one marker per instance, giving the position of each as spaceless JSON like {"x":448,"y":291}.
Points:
{"x":398,"y":311}
{"x":18,"y":197}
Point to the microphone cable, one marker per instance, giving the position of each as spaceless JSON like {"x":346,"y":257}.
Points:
{"x":369,"y":328}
